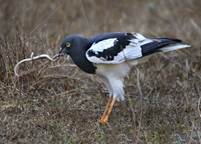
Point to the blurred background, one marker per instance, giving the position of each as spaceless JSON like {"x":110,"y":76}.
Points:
{"x":58,"y":103}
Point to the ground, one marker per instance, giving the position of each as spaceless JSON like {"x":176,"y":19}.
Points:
{"x":58,"y":103}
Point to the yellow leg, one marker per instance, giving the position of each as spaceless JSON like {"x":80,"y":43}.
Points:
{"x":106,"y":108}
{"x":107,"y":112}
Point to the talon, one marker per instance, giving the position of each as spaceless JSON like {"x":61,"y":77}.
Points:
{"x":103,"y":120}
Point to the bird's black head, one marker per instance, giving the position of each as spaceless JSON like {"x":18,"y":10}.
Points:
{"x":72,"y":44}
{"x":76,"y":46}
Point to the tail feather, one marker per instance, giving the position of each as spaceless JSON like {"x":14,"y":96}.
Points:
{"x":174,"y":47}
{"x":162,"y":45}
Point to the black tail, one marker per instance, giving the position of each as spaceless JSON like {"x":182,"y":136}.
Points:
{"x":159,"y":43}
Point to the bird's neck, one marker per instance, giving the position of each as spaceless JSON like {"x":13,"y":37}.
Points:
{"x":79,"y":57}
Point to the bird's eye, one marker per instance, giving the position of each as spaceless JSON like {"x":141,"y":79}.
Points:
{"x":67,"y":44}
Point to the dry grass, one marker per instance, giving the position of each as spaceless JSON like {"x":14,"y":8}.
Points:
{"x":56,"y":103}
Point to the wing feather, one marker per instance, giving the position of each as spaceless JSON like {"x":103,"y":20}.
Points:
{"x":109,"y":49}
{"x":116,"y":50}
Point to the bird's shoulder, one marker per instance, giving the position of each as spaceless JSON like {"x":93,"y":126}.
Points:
{"x":123,"y":36}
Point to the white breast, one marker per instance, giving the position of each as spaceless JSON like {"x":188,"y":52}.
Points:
{"x":115,"y":77}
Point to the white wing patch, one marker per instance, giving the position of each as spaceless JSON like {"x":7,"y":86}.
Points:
{"x":100,"y":46}
{"x":132,"y":51}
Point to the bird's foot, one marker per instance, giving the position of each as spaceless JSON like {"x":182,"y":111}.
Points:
{"x":103,"y":120}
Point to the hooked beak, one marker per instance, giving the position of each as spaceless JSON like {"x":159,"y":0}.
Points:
{"x":60,"y":51}
{"x":63,"y":51}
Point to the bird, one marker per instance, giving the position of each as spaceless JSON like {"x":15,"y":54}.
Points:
{"x":111,"y":55}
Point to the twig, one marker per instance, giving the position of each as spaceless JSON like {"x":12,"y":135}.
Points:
{"x":199,"y":99}
{"x":54,"y":58}
{"x":141,"y":104}
{"x":66,"y":65}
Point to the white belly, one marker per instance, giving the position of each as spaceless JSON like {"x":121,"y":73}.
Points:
{"x":113,"y":76}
